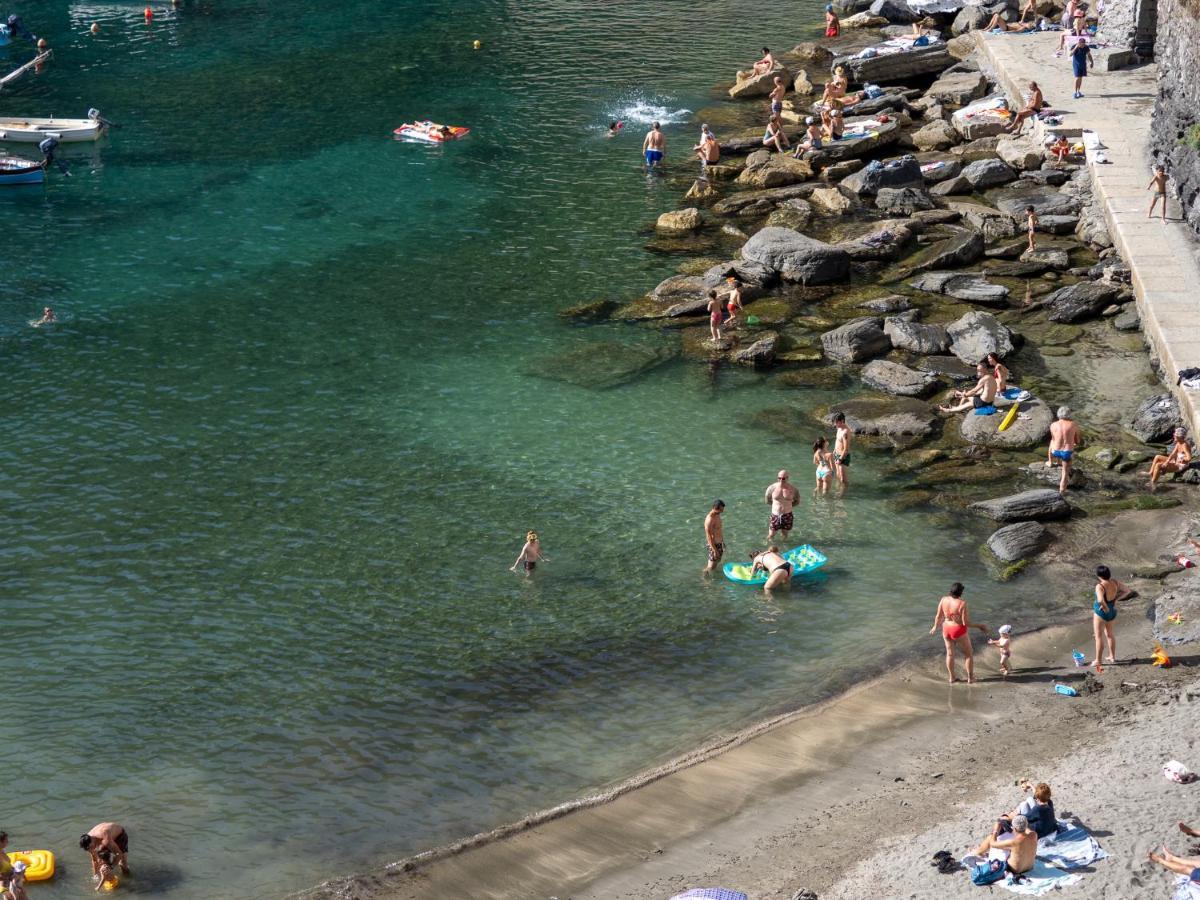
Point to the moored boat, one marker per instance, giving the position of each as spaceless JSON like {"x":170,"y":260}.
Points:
{"x":15,"y":170}
{"x":34,"y":131}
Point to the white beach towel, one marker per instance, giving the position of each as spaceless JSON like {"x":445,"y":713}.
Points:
{"x":1070,"y":848}
{"x":1041,"y":879}
{"x":1186,"y":889}
{"x":1093,"y":147}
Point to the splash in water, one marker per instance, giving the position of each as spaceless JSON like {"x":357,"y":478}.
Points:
{"x":643,"y":111}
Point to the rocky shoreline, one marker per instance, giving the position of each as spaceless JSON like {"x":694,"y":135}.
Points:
{"x":885,"y":266}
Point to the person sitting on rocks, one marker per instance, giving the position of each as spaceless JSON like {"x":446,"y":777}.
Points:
{"x":999,"y":372}
{"x":1036,"y":102}
{"x":812,"y":138}
{"x":1177,"y":459}
{"x":978,"y":397}
{"x":837,"y":124}
{"x":774,"y":136}
{"x":1060,"y":149}
{"x":766,"y":64}
{"x":1020,"y":26}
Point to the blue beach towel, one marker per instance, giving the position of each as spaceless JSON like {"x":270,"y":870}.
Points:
{"x":1071,"y":848}
{"x":985,"y":411}
{"x":710,"y":894}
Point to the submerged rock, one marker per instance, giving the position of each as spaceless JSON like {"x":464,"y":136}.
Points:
{"x":796,"y":257}
{"x":1040,"y":504}
{"x":1156,"y":418}
{"x":960,"y":250}
{"x":1019,"y":541}
{"x":601,"y":365}
{"x":1023,"y":432}
{"x":857,"y":340}
{"x":891,"y":418}
{"x":893,"y":378}
{"x":595,"y":311}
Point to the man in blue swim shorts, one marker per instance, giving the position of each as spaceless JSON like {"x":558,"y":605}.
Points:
{"x":654,"y":147}
{"x":1064,"y":435}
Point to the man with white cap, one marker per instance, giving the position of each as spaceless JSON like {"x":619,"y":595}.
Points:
{"x":1020,"y":848}
{"x":781,"y":496}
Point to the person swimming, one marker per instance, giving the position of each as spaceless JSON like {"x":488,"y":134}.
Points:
{"x":614,"y":128}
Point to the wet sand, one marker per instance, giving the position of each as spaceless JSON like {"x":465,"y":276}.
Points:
{"x":797,"y":802}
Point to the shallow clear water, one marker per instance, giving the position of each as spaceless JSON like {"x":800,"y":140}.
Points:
{"x":263,"y":483}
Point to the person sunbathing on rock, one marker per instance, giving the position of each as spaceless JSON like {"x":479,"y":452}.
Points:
{"x":980,"y":396}
{"x":766,"y":64}
{"x":1036,"y":102}
{"x":998,"y":24}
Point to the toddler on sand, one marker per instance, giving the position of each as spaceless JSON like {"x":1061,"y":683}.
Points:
{"x":1004,"y":645}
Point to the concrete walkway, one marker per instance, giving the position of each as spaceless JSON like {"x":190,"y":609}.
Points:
{"x":1162,"y":256}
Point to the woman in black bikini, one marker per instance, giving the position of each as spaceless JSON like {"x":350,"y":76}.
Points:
{"x":778,"y":569}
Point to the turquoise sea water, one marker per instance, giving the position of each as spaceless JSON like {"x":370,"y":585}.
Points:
{"x":263,"y":483}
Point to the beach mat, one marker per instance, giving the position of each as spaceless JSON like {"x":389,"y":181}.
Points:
{"x":1072,"y":847}
{"x":1041,"y":879}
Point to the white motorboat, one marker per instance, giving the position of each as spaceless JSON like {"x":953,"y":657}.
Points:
{"x":34,"y":131}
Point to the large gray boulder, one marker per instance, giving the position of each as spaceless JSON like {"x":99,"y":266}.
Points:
{"x":1077,"y":302}
{"x":915,"y":337}
{"x":986,"y":173}
{"x":857,"y":340}
{"x":977,"y":334}
{"x":936,"y":135}
{"x":1180,"y":599}
{"x":895,"y":417}
{"x":905,"y":200}
{"x":1046,"y":258}
{"x":971,"y":17}
{"x":1023,"y":432}
{"x":1040,"y":504}
{"x":958,"y":250}
{"x":796,"y":257}
{"x":976,"y":121}
{"x":758,"y":85}
{"x":760,"y":354}
{"x":898,"y":67}
{"x":750,"y":274}
{"x":957,"y":88}
{"x":893,"y":303}
{"x":887,"y":242}
{"x":1156,"y":418}
{"x":1045,"y":201}
{"x":769,"y":170}
{"x":679,"y":288}
{"x":971,"y":287}
{"x":896,"y":173}
{"x":761,"y":202}
{"x":893,"y":378}
{"x":1020,"y":540}
{"x":1021,"y":153}
{"x":894,"y":11}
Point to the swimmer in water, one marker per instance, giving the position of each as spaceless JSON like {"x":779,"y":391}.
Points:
{"x":531,"y":554}
{"x":47,"y":317}
{"x":614,"y":128}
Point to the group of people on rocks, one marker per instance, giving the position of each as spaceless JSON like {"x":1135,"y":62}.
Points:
{"x":107,"y":844}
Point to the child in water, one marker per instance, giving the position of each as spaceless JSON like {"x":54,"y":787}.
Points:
{"x":1004,"y":645}
{"x":531,"y":554}
{"x":614,"y":128}
{"x":823,"y":460}
{"x":1031,"y":224}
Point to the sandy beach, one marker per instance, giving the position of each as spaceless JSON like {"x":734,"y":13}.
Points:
{"x":846,"y":794}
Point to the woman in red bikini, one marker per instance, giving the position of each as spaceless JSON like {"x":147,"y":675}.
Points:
{"x":952,"y":617}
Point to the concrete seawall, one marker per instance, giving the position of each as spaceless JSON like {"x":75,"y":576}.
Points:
{"x":1161,"y":256}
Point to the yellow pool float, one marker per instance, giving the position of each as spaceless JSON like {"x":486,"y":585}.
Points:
{"x":39,"y":864}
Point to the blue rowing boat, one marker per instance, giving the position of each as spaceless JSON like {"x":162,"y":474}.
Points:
{"x":15,"y":170}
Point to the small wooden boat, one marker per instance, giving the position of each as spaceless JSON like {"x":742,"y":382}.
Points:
{"x":15,"y":170}
{"x":34,"y":131}
{"x":429,"y":132}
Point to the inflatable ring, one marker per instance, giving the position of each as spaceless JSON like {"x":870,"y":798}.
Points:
{"x":39,"y":864}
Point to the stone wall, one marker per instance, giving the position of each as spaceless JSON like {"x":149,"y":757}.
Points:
{"x":1177,"y":107}
{"x":1130,"y":23}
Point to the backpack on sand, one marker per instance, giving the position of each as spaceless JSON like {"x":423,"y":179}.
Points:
{"x":988,"y":872}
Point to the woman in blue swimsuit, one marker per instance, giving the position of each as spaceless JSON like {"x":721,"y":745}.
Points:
{"x":1104,"y":611}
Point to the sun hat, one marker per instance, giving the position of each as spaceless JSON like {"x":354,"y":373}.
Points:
{"x":1006,"y":629}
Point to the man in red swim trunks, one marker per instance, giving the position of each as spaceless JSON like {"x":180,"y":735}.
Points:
{"x":833,"y":25}
{"x":782,"y":496}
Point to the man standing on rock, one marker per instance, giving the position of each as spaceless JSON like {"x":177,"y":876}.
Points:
{"x":714,"y":535}
{"x":777,"y":93}
{"x":654,"y":147}
{"x":841,"y":448}
{"x":782,"y":496}
{"x":1064,"y":435}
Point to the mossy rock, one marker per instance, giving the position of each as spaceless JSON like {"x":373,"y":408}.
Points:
{"x":596,"y":311}
{"x":699,"y":265}
{"x":1101,"y":456}
{"x":639,"y":309}
{"x":800,"y":355}
{"x":1058,"y":335}
{"x":912,"y":460}
{"x":783,"y":421}
{"x":1057,"y":351}
{"x":822,"y":377}
{"x":911,"y":499}
{"x":601,"y":365}
{"x":1012,"y":570}
{"x":1142,"y":501}
{"x":1126,"y":342}
{"x":961,"y":472}
{"x":815,"y":323}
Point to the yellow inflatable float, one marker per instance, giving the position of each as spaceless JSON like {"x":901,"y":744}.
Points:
{"x":39,"y":864}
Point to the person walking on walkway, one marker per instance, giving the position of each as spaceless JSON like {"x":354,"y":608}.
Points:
{"x":1159,"y":184}
{"x":1081,"y":57}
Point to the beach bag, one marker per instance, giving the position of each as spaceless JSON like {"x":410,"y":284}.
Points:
{"x":872,"y":91}
{"x":988,"y":872}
